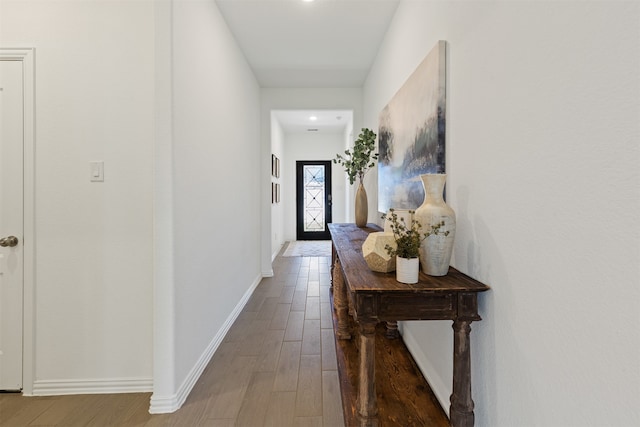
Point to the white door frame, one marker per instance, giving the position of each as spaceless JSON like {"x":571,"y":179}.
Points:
{"x":27,"y":56}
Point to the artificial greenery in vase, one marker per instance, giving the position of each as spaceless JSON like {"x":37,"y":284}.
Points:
{"x":357,"y":162}
{"x":409,"y":236}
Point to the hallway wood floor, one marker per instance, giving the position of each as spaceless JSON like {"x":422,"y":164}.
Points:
{"x":276,"y":367}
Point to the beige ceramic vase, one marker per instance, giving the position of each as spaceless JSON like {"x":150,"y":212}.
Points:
{"x":435,"y":250}
{"x":362,"y":206}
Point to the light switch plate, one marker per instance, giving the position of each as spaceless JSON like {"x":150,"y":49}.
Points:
{"x":96,"y":171}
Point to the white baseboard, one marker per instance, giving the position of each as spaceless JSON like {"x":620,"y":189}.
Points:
{"x":276,"y":252}
{"x":169,"y":404}
{"x":164,"y":405}
{"x":439,"y":388}
{"x":269,"y":273}
{"x":159,"y":404}
{"x":92,"y":386}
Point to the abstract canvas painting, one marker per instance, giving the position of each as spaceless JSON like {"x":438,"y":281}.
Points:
{"x":411,"y":134}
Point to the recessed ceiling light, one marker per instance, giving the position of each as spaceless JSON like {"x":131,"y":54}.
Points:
{"x":307,"y":1}
{"x":313,"y":118}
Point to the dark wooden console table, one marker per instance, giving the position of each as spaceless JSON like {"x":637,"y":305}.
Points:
{"x":373,"y":297}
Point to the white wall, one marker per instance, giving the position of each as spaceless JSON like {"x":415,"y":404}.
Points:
{"x":311,"y":146}
{"x":370,"y":181}
{"x":216,"y":185}
{"x":277,"y":209}
{"x":543,"y":109}
{"x":94,"y":101}
{"x":112,"y":78}
{"x":295,"y":99}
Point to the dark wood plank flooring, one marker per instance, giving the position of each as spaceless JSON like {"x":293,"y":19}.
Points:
{"x":290,"y":314}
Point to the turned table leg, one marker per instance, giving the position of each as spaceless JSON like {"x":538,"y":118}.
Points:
{"x":334,"y":257}
{"x":461,"y":410}
{"x":367,"y":405}
{"x":392,"y":330}
{"x":341,"y":302}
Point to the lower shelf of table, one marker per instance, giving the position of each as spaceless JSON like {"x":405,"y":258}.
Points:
{"x":404,"y":396}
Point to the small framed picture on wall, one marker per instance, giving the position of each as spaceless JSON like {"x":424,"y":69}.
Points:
{"x":273,"y":165}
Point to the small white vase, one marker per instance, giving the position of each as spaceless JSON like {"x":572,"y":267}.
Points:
{"x":407,"y":270}
{"x":435,"y":250}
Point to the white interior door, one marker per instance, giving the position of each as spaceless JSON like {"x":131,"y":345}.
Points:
{"x":11,"y":223}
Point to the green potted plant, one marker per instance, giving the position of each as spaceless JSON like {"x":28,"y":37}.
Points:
{"x":408,"y":238}
{"x":356,"y":164}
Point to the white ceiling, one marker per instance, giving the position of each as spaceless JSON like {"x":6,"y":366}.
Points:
{"x":318,"y":44}
{"x":323,"y":43}
{"x":327,"y":121}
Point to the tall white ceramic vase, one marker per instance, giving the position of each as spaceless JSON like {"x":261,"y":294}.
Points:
{"x":435,"y":250}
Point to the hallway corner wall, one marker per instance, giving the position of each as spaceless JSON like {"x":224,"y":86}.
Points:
{"x":216,"y":183}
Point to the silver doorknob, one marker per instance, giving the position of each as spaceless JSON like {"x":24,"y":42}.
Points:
{"x":10,"y":241}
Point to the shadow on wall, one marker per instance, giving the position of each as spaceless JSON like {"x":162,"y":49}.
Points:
{"x":498,"y":312}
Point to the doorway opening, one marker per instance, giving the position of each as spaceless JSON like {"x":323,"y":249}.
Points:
{"x":305,"y":135}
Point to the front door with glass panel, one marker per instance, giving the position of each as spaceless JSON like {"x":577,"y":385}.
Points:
{"x":313,"y":199}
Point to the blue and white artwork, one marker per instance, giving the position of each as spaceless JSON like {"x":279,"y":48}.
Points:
{"x":411,"y":134}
